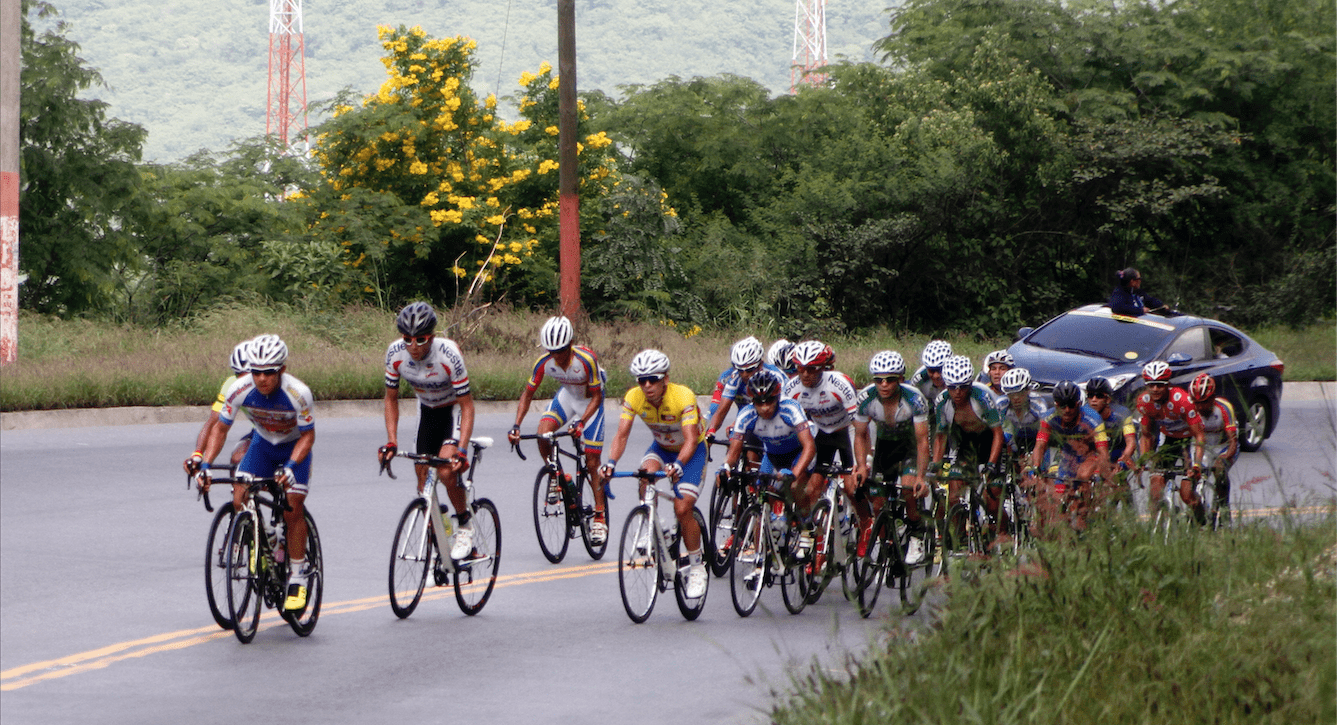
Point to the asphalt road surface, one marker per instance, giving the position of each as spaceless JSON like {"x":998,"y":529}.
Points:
{"x":103,"y":616}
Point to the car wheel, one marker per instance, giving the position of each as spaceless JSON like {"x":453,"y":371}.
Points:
{"x":1257,"y":417}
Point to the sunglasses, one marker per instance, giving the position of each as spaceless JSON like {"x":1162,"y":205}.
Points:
{"x":886,"y":379}
{"x":751,"y":369}
{"x":648,"y":379}
{"x":266,"y":371}
{"x":1154,"y":384}
{"x":810,"y":368}
{"x":966,"y":386}
{"x":1068,"y":406}
{"x":765,"y":401}
{"x":419,"y":340}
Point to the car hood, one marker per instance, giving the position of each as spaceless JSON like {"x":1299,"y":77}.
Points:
{"x":1047,"y":367}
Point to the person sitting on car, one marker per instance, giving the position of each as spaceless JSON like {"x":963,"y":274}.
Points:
{"x":1128,"y":299}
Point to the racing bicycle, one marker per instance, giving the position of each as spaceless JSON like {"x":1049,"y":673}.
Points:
{"x":651,"y":554}
{"x":563,"y":504}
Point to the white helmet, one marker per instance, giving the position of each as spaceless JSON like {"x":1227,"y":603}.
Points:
{"x":746,"y":353}
{"x":649,"y":362}
{"x":268,"y":352}
{"x":778,"y":355}
{"x":556,"y":334}
{"x":935,"y":354}
{"x":887,"y":362}
{"x":957,"y":370}
{"x":1015,"y":380}
{"x":999,"y":356}
{"x":240,"y":362}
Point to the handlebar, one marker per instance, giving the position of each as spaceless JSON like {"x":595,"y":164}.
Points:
{"x":425,"y":459}
{"x":550,"y":436}
{"x":201,"y":494}
{"x":641,"y":474}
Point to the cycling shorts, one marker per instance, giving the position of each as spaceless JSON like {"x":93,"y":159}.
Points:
{"x":566,"y":406}
{"x":435,"y":425}
{"x":1169,"y":453}
{"x":772,"y":462}
{"x":690,"y":483}
{"x":829,"y":444}
{"x":264,"y":458}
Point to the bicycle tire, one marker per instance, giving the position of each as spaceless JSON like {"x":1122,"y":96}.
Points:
{"x":550,"y":522}
{"x":691,"y":609}
{"x":637,"y":567}
{"x":411,"y":555}
{"x":910,"y":580}
{"x":874,"y":564}
{"x":303,"y":621}
{"x":246,"y":581}
{"x":585,"y":505}
{"x":723,"y":534}
{"x":794,"y":585}
{"x":819,"y":567}
{"x":748,"y":567}
{"x":476,"y":576}
{"x":215,"y":565}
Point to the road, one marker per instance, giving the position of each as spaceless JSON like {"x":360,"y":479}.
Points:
{"x":103,"y":618}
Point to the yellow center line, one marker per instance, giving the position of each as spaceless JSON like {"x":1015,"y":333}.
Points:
{"x":14,"y":678}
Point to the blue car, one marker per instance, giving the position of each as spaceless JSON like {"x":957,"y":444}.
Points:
{"x":1089,"y":341}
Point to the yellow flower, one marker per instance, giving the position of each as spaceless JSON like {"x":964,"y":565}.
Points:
{"x":482,"y":239}
{"x":516,"y":247}
{"x":459,"y":271}
{"x":553,"y":84}
{"x":552,"y":130}
{"x":526,"y":78}
{"x":417,"y":167}
{"x":511,"y":259}
{"x":547,"y":165}
{"x":495,"y":220}
{"x":545,"y":67}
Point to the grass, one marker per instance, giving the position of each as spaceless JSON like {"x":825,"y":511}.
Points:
{"x":1222,"y":627}
{"x":81,"y":363}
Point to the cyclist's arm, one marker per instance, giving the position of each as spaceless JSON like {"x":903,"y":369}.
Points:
{"x":596,"y":402}
{"x":809,"y":453}
{"x":1200,"y":438}
{"x":921,"y":449}
{"x":939,"y":446}
{"x":302,"y":448}
{"x":465,"y":403}
{"x":717,"y":418}
{"x":522,"y":408}
{"x":217,"y":435}
{"x":692,"y":433}
{"x":619,"y":443}
{"x":996,"y":450}
{"x":862,"y":447}
{"x":392,"y":416}
{"x":203,"y":437}
{"x":735,"y":451}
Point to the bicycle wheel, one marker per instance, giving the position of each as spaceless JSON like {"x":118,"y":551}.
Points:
{"x":410,"y":557}
{"x":638,"y":565}
{"x":476,"y":575}
{"x":245,"y":576}
{"x":691,"y":608}
{"x":823,"y":548}
{"x":215,"y":565}
{"x":909,"y":579}
{"x":550,"y":519}
{"x":303,"y":621}
{"x":585,"y":504}
{"x":747,"y":569}
{"x":723,"y":515}
{"x":873,"y":567}
{"x":794,"y":583}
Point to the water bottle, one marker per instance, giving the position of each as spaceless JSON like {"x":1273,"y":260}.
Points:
{"x":445,"y":519}
{"x":279,"y":545}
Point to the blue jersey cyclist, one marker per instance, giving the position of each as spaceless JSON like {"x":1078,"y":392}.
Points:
{"x":580,"y":400}
{"x":1119,"y":425}
{"x":239,"y":361}
{"x":1083,"y":449}
{"x":745,"y":360}
{"x":1023,"y":411}
{"x":779,"y":424}
{"x":670,"y":412}
{"x":280,"y":408}
{"x":434,"y":368}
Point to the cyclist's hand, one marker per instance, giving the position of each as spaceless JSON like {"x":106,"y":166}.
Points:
{"x":387,"y":452}
{"x":710,"y":437}
{"x":784,"y":476}
{"x":577,"y":427}
{"x":995,"y":470}
{"x":285,"y":477}
{"x":203,"y":479}
{"x":673,"y":471}
{"x":1195,"y":473}
{"x":606,"y":471}
{"x":193,"y":463}
{"x":918,"y":487}
{"x":459,"y":461}
{"x":513,"y":435}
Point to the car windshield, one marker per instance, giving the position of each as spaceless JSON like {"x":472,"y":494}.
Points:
{"x":1101,"y":336}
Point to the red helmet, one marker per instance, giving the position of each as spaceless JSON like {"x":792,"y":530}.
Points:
{"x":1156,"y":371}
{"x":814,"y":353}
{"x":1202,"y":388}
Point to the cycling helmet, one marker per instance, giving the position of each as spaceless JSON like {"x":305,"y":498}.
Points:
{"x":764,"y":386}
{"x":268,"y":352}
{"x":1202,"y":388}
{"x":778,"y":355}
{"x":240,"y":361}
{"x":935,"y":354}
{"x":1016,"y":380}
{"x":1156,"y":371}
{"x":814,"y":353}
{"x":1067,"y":393}
{"x":417,"y":318}
{"x":887,"y":362}
{"x":999,"y":356}
{"x":746,"y":353}
{"x":1099,"y":386}
{"x":649,"y":362}
{"x":556,"y":334}
{"x":957,"y":370}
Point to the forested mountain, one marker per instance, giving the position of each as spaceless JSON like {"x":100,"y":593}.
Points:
{"x":193,"y":72}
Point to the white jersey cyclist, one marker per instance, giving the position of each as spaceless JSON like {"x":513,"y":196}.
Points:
{"x":830,"y":404}
{"x":280,"y":417}
{"x":438,"y":379}
{"x":779,"y":434}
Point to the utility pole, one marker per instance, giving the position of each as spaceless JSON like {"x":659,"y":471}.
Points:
{"x":11,"y":59}
{"x":568,"y":173}
{"x":286,"y":115}
{"x":809,"y":44}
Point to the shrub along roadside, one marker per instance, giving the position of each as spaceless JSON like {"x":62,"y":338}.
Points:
{"x":1234,"y":626}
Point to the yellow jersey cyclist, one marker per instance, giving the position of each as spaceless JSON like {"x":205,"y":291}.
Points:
{"x":579,"y":399}
{"x":434,"y":368}
{"x":280,"y":407}
{"x":670,"y":412}
{"x":240,"y":363}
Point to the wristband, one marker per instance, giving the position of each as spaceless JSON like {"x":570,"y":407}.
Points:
{"x":290,"y":464}
{"x":198,"y":453}
{"x":451,"y":442}
{"x":204,"y":465}
{"x":612,"y":463}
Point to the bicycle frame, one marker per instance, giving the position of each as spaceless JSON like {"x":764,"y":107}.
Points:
{"x":433,"y":501}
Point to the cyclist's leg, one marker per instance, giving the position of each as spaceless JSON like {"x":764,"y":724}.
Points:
{"x":239,"y":452}
{"x":592,"y":439}
{"x":689,"y":488}
{"x":295,"y":520}
{"x":556,"y":416}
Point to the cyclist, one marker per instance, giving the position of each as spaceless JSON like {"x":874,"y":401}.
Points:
{"x":969,"y":424}
{"x":670,"y":412}
{"x":745,"y":359}
{"x":1083,"y":450}
{"x":239,"y":361}
{"x":579,"y":399}
{"x":928,"y":378}
{"x":996,"y":364}
{"x":280,"y":408}
{"x":1119,"y":428}
{"x":779,"y":424}
{"x":434,"y":368}
{"x":1023,"y":409}
{"x":829,"y":399}
{"x":1222,"y":435}
{"x":779,"y":356}
{"x":902,"y":453}
{"x":1169,"y":411}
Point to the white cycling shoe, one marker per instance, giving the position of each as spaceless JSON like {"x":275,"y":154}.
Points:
{"x":464,"y":543}
{"x":696,"y":581}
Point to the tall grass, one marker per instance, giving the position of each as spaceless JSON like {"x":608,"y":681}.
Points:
{"x":1225,"y":627}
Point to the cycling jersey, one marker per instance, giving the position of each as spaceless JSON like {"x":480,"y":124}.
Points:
{"x":1020,"y":428}
{"x":1220,"y":422}
{"x":438,"y":379}
{"x":729,"y":386}
{"x":779,"y":434}
{"x":582,"y":379}
{"x":677,"y":409}
{"x":280,"y":417}
{"x":1081,"y":437}
{"x":924,"y":383}
{"x":1175,"y":417}
{"x":981,"y":402}
{"x":1119,"y":425}
{"x":830,"y":405}
{"x":898,"y":425}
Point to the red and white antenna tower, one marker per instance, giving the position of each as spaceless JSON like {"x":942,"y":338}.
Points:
{"x":809,"y":44}
{"x":287,"y":74}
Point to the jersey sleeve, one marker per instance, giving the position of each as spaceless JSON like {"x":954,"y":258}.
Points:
{"x":303,"y":402}
{"x":392,"y":362}
{"x":536,"y":373}
{"x":632,"y":403}
{"x":222,"y":390}
{"x":459,"y":374}
{"x":746,"y":421}
{"x":594,"y":383}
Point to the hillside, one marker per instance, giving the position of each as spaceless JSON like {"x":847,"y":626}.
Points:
{"x":193,"y":72}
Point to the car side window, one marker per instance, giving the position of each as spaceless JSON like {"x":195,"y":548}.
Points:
{"x":1192,"y":342}
{"x":1225,"y":344}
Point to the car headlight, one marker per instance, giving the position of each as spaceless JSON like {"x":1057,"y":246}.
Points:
{"x":1118,"y":381}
